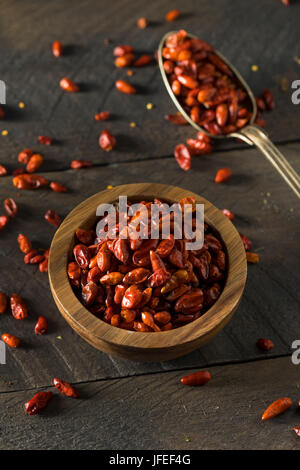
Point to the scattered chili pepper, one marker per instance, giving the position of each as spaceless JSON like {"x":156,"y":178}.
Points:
{"x":252,"y":257}
{"x":246,"y":242}
{"x":43,"y":266}
{"x":268,"y":99}
{"x":172,"y":15}
{"x":38,"y":402}
{"x":11,"y":340}
{"x":297,"y":430}
{"x":265,"y":344}
{"x":25,"y":155}
{"x":3,"y":303}
{"x":183,"y":156}
{"x":196,"y":378}
{"x":35,"y":162}
{"x":176,"y":119}
{"x":31,"y":254}
{"x":41,"y":326}
{"x":228,"y":214}
{"x":103,"y":116}
{"x":2,"y":113}
{"x":78,"y":164}
{"x":44,"y":139}
{"x":53,"y":218}
{"x":24,"y":243}
{"x":124,"y":60}
{"x":122,"y":50}
{"x":25,"y":181}
{"x":125,"y":87}
{"x":107,"y":141}
{"x":277,"y":407}
{"x":65,"y":388}
{"x":143,"y":60}
{"x":142,"y":23}
{"x":224,"y":174}
{"x":10,"y":207}
{"x":68,"y":85}
{"x":3,"y":170}
{"x":57,"y":48}
{"x":4,"y":219}
{"x":58,"y":187}
{"x":18,"y":307}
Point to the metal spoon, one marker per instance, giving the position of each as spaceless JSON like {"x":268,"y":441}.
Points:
{"x":251,"y":134}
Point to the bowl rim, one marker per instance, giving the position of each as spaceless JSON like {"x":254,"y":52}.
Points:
{"x":75,"y":312}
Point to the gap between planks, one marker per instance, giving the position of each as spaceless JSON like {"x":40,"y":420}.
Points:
{"x":142,"y":374}
{"x":163,"y":157}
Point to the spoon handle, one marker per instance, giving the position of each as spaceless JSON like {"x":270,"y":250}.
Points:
{"x":254,"y":135}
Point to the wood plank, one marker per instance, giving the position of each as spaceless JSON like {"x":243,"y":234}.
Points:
{"x":32,"y":74}
{"x":157,"y":412}
{"x":270,"y":306}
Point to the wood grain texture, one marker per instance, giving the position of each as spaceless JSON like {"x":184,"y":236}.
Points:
{"x":265,"y":34}
{"x":157,"y":412}
{"x":263,"y":206}
{"x":142,"y":346}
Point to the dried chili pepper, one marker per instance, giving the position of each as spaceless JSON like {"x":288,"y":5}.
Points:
{"x":143,"y":60}
{"x":224,"y":174}
{"x":41,"y":326}
{"x":65,"y":388}
{"x":122,"y":50}
{"x":4,"y":219}
{"x":3,"y":170}
{"x":3,"y":303}
{"x":57,"y":48}
{"x":142,"y":23}
{"x":18,"y":307}
{"x":172,"y":15}
{"x":230,"y":215}
{"x":196,"y":378}
{"x":11,"y":340}
{"x":58,"y":187}
{"x":265,"y":344}
{"x":24,"y":243}
{"x":103,"y":116}
{"x":68,"y":85}
{"x":125,"y":87}
{"x":35,"y":162}
{"x":246,"y":242}
{"x":10,"y":207}
{"x":25,"y":155}
{"x":53,"y":218}
{"x":26,"y":181}
{"x":277,"y":407}
{"x":252,"y":257}
{"x":183,"y":156}
{"x":107,"y":141}
{"x":78,"y":164}
{"x":37,"y":403}
{"x":44,"y":139}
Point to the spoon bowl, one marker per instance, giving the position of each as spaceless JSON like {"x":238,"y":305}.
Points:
{"x":250,"y":133}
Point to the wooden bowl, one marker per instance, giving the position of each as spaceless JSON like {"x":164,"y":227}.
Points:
{"x":130,"y":344}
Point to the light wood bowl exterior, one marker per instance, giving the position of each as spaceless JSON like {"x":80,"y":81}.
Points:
{"x":135,"y":345}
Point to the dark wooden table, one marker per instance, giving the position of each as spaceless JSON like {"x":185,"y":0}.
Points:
{"x":128,"y":405}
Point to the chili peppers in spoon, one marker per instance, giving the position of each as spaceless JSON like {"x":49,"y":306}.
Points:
{"x":214,"y":98}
